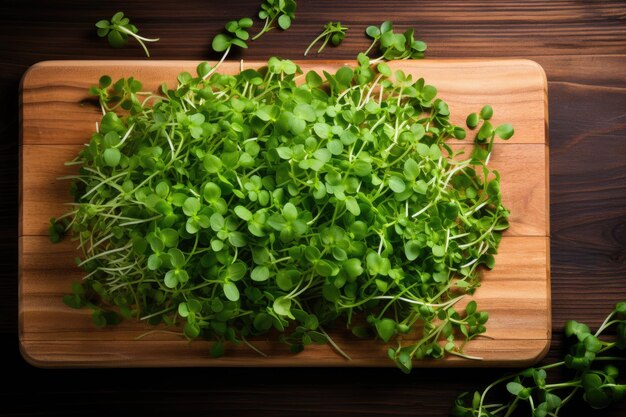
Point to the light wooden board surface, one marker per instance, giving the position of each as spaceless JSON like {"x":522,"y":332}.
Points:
{"x":58,"y":118}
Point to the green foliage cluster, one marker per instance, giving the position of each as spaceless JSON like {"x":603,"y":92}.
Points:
{"x":274,"y":202}
{"x":591,"y":361}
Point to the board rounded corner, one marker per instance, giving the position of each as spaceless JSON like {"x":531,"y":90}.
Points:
{"x":541,"y":72}
{"x":30,"y":357}
{"x":30,"y":71}
{"x":537,"y":355}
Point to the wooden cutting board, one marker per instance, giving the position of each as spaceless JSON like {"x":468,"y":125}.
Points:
{"x":58,"y":118}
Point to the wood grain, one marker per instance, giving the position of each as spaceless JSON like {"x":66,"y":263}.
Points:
{"x":56,"y":121}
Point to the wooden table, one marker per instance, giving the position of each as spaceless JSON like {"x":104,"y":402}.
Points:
{"x":582,"y":47}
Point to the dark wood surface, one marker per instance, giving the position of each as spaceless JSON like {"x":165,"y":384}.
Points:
{"x":580,"y":44}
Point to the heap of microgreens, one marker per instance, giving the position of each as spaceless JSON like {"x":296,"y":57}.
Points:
{"x":591,"y":361}
{"x":271,"y":200}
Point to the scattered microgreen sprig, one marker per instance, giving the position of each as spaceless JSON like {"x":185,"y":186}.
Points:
{"x":235,"y":34}
{"x":395,"y":46}
{"x":333,"y":32}
{"x":486,"y":134}
{"x":282,"y":12}
{"x":592,"y":361}
{"x":232,"y":205}
{"x":118,"y":29}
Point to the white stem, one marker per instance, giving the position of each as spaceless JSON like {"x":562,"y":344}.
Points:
{"x":218,"y":64}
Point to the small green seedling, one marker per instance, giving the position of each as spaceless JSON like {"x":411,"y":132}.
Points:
{"x":236,"y":35}
{"x":119,"y":29}
{"x":333,"y":32}
{"x":395,"y":46}
{"x":282,"y":12}
{"x":486,"y":133}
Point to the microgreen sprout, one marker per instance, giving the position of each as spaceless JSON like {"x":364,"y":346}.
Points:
{"x":486,"y":134}
{"x":333,"y":32}
{"x":395,"y":46}
{"x":236,"y":34}
{"x":232,"y":205}
{"x":119,"y":29}
{"x":282,"y":12}
{"x":592,"y":361}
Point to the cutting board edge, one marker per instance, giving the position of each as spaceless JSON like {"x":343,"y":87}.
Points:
{"x":33,"y":359}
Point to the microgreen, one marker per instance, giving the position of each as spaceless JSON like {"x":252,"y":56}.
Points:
{"x":235,"y":34}
{"x":395,"y":46}
{"x":333,"y":32}
{"x":592,"y":361}
{"x":118,"y":29}
{"x":231,"y":205}
{"x":486,"y":133}
{"x":282,"y":12}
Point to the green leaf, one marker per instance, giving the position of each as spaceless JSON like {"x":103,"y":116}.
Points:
{"x":372,"y":31}
{"x":260,"y":274}
{"x":154,"y":262}
{"x":231,"y":291}
{"x":335,"y":147}
{"x":313,"y":79}
{"x":236,"y":271}
{"x":412,"y":250}
{"x":171,"y":279}
{"x":112,"y":157}
{"x":284,"y":22}
{"x":472,"y":120}
{"x":104,"y":81}
{"x":211,"y":192}
{"x":505,"y":131}
{"x":177,"y":258}
{"x":183,"y":311}
{"x":411,"y":169}
{"x":284,"y":152}
{"x":102,"y":24}
{"x":514,"y":387}
{"x":396,"y":184}
{"x":486,"y":112}
{"x":353,"y":206}
{"x":245,"y":23}
{"x":111,"y":123}
{"x":353,"y":267}
{"x":486,"y":131}
{"x":386,"y":329}
{"x":191,"y":206}
{"x":282,"y":307}
{"x":438,"y":251}
{"x":221,"y":42}
{"x":243,"y":213}
{"x":117,"y":39}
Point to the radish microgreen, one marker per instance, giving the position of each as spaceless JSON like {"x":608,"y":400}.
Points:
{"x":282,"y":12}
{"x":118,"y":29}
{"x":232,"y":205}
{"x":333,"y":32}
{"x":395,"y":46}
{"x":592,"y":363}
